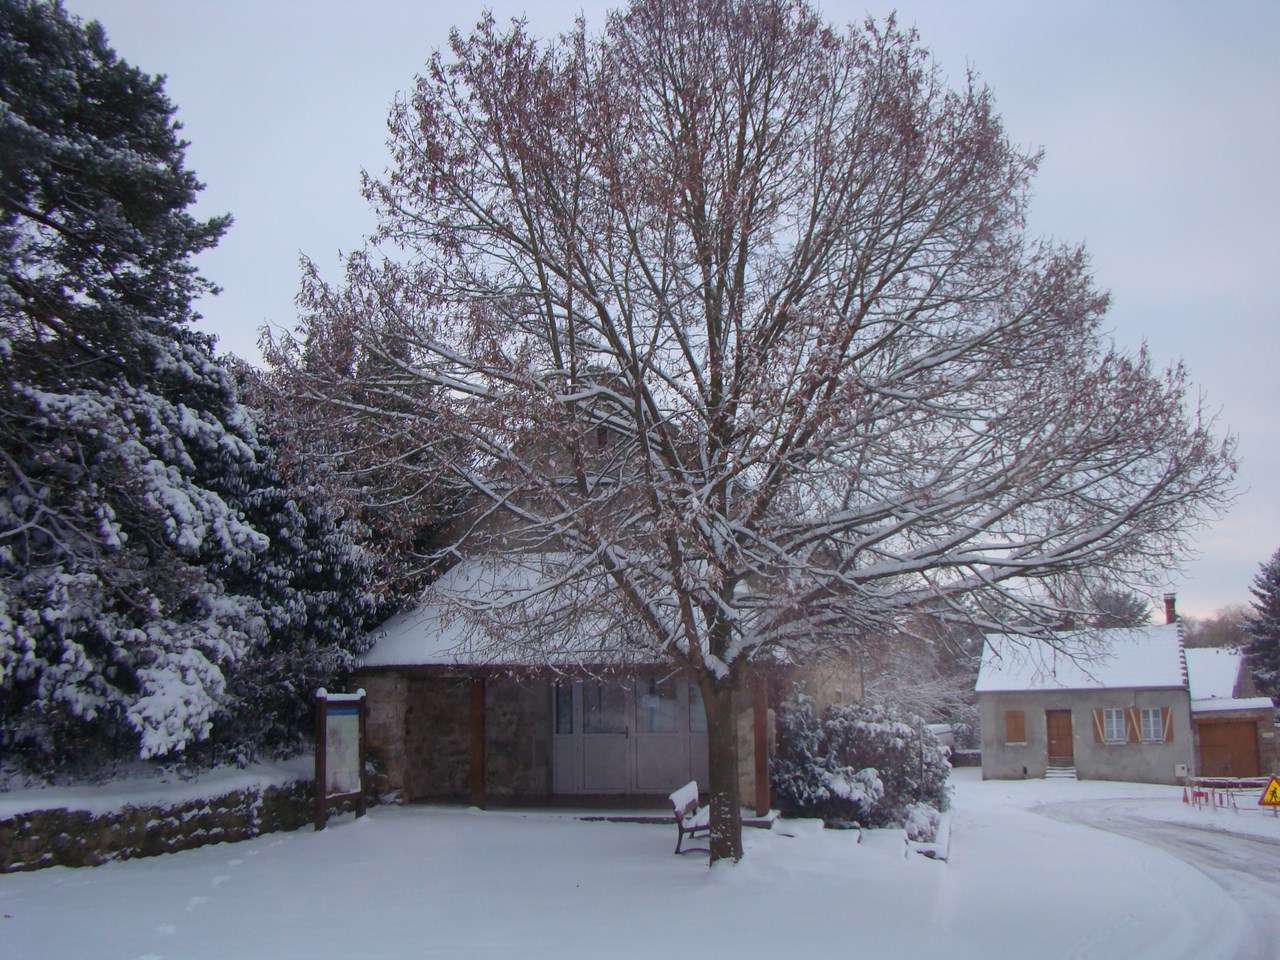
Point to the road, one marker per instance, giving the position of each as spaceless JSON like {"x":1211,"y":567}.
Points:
{"x":1246,"y":867}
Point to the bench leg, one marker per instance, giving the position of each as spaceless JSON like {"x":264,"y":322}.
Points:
{"x":694,"y":833}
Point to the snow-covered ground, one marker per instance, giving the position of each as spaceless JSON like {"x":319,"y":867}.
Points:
{"x":437,"y":882}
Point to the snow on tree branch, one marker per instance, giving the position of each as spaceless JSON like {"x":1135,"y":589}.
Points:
{"x":739,"y":310}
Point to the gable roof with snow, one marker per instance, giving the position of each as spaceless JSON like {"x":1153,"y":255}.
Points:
{"x":1097,"y":659}
{"x":452,"y":626}
{"x":1214,"y":674}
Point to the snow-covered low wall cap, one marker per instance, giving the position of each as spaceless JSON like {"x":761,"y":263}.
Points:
{"x":1225,"y":704}
{"x":323,"y":694}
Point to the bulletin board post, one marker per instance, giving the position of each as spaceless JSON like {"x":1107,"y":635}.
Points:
{"x":340,"y":735}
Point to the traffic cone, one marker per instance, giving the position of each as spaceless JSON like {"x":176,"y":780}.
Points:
{"x":1184,"y":795}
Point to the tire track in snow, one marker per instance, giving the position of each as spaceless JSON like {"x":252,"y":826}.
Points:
{"x":1246,"y":867}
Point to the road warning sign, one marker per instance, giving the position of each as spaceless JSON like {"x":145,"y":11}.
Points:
{"x":1271,"y":795}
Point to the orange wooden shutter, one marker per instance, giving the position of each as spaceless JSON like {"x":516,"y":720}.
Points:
{"x":1097,"y":726}
{"x":1015,"y":726}
{"x":1133,"y":724}
{"x":1166,"y":724}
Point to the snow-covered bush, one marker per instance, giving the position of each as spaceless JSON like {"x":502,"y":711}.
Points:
{"x":863,"y":762}
{"x":911,"y":762}
{"x":807,"y":780}
{"x":921,"y":822}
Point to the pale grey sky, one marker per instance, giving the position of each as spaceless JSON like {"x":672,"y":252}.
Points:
{"x":1160,"y":123}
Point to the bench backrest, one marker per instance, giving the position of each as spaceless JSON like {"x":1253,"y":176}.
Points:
{"x":685,"y":798}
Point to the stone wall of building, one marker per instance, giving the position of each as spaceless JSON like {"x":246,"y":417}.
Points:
{"x":518,"y":738}
{"x":1140,"y":762}
{"x":419,"y":732}
{"x":746,"y":755}
{"x":385,"y":700}
{"x":834,"y":681}
{"x":437,"y":738}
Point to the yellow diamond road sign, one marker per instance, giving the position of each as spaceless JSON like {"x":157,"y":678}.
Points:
{"x":1270,"y":796}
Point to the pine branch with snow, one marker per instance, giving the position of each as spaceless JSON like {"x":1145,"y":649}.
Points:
{"x":1262,"y":652}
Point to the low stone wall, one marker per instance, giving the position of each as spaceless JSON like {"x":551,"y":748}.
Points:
{"x":77,"y":838}
{"x":966,"y":758}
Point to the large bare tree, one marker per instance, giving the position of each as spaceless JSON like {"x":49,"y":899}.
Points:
{"x":739,"y":319}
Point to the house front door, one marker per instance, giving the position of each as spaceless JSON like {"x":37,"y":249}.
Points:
{"x":1059,"y":748}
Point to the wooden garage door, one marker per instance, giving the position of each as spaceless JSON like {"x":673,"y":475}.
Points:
{"x":1229,"y":749}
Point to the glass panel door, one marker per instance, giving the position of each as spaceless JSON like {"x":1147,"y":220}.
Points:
{"x":657,"y":705}
{"x":566,"y":771}
{"x":604,"y":707}
{"x":661,"y":742}
{"x":606,"y":737}
{"x":699,"y":765}
{"x":638,"y":735}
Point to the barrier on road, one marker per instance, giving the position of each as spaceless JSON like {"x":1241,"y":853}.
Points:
{"x":1223,"y":793}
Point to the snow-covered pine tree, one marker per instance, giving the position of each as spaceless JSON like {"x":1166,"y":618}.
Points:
{"x":1262,"y":652}
{"x":314,"y":587}
{"x":145,"y":554}
{"x":1115,"y":607}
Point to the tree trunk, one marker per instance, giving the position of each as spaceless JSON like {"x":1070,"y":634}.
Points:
{"x":720,"y":700}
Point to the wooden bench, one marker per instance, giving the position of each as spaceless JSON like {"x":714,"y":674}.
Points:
{"x":691,"y":820}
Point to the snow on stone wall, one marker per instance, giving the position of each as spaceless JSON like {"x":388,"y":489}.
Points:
{"x":81,"y":838}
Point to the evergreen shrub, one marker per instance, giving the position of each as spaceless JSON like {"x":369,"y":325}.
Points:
{"x":865,"y":762}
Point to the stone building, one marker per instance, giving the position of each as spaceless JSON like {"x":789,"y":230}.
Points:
{"x":453,"y":718}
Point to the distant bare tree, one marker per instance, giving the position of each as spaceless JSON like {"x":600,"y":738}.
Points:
{"x":923,"y":677}
{"x":1226,"y":628}
{"x":740,"y":321}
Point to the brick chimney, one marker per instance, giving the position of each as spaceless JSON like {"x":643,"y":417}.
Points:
{"x":1170,"y":608}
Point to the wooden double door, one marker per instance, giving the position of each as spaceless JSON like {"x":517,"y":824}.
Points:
{"x":635,"y":735}
{"x":1228,"y":748}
